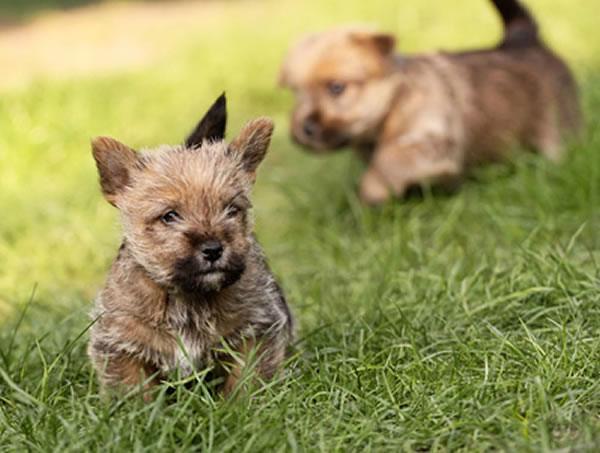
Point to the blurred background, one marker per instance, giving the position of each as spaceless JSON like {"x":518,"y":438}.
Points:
{"x":144,"y":71}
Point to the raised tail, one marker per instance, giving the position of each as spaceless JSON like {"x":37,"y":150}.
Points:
{"x":520,"y":28}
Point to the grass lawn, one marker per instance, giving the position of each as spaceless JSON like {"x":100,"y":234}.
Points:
{"x":17,"y":10}
{"x":444,"y":323}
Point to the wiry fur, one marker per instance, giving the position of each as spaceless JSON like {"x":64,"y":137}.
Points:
{"x":164,"y":306}
{"x":428,"y":118}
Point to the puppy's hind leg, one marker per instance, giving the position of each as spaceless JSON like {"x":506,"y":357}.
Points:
{"x":548,"y":141}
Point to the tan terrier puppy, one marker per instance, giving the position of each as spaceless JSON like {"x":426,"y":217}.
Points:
{"x":190,"y":281}
{"x":428,"y":118}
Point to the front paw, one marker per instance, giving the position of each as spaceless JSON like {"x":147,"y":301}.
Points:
{"x":373,"y":190}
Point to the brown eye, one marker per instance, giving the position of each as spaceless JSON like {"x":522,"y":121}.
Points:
{"x":336,"y":88}
{"x":170,"y":217}
{"x":232,"y":211}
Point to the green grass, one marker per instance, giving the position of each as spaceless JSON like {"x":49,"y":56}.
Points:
{"x":18,"y":10}
{"x":449,"y":322}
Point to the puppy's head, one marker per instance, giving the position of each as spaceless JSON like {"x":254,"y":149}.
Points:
{"x":185,"y":208}
{"x":342,"y":87}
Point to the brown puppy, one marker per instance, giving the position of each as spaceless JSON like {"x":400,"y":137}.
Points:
{"x":190,"y":283}
{"x":428,"y":118}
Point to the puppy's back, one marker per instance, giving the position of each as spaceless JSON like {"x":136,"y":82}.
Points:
{"x":521,"y":91}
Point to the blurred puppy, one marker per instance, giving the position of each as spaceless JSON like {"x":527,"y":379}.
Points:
{"x":190,"y":287}
{"x":428,"y":118}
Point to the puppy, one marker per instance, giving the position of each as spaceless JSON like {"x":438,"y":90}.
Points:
{"x":428,"y":118}
{"x":190,"y":287}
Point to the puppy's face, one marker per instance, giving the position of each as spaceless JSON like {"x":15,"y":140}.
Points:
{"x":185,"y":208}
{"x":343,"y":92}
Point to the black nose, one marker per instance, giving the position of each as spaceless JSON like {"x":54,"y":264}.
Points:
{"x":310,"y":127}
{"x":212,"y":250}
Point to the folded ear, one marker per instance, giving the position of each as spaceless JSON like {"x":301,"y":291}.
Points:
{"x":253,"y":142}
{"x":383,"y":43}
{"x":288,"y":69}
{"x":211,"y":126}
{"x":115,"y":162}
{"x":283,"y":79}
{"x":294,"y":66}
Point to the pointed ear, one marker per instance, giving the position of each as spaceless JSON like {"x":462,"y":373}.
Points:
{"x":115,"y":162}
{"x":253,"y":142}
{"x":383,"y":43}
{"x":211,"y":126}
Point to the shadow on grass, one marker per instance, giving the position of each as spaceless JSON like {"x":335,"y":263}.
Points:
{"x":16,"y":11}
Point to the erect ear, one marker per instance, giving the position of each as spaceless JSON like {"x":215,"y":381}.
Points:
{"x":253,"y":142}
{"x":383,"y":43}
{"x":211,"y":126}
{"x":115,"y":162}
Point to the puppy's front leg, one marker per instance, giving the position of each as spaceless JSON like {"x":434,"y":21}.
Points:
{"x":269,"y":355}
{"x":123,"y":372}
{"x":394,"y":168}
{"x":236,"y":366}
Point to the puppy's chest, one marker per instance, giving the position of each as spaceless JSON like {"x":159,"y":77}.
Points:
{"x":198,"y":330}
